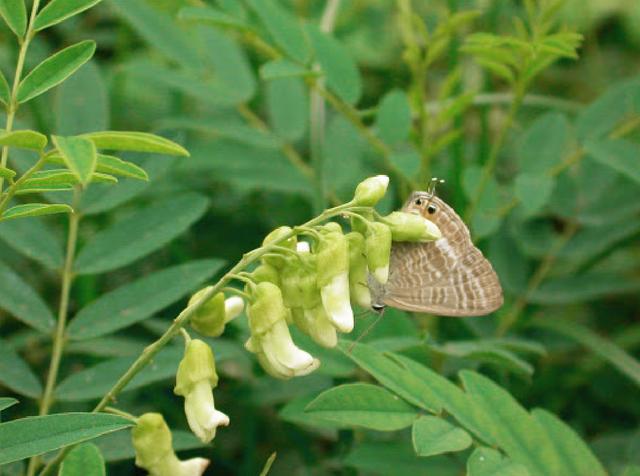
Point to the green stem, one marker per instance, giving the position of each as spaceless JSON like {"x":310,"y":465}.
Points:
{"x":183,"y":318}
{"x":13,"y":189}
{"x":13,"y":103}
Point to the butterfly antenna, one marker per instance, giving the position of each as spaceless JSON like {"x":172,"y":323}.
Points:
{"x":431,"y":188}
{"x":366,"y":332}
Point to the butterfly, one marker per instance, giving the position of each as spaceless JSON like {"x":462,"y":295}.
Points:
{"x":446,"y":277}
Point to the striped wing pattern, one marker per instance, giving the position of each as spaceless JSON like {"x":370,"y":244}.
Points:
{"x":448,"y":277}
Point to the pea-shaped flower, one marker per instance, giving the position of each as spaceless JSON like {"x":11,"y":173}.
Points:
{"x":358,"y":288}
{"x":378,"y":250}
{"x":152,"y":442}
{"x":370,"y":191}
{"x":211,"y":318}
{"x":270,"y":338}
{"x":411,"y":227}
{"x":316,"y":324}
{"x":333,"y":279}
{"x":195,"y":380}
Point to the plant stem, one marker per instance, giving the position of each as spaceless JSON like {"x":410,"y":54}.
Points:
{"x":183,"y":318}
{"x":13,"y":188}
{"x":13,"y":103}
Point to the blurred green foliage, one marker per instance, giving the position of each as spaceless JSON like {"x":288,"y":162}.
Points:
{"x":539,"y":148}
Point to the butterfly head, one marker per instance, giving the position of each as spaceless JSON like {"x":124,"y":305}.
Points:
{"x":425,"y":203}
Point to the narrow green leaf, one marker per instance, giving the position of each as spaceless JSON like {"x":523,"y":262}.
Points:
{"x":433,"y":436}
{"x":14,"y":13}
{"x":34,"y":210}
{"x":575,"y":456}
{"x":513,"y":428}
{"x":57,"y":11}
{"x":283,"y":68}
{"x":20,"y":300}
{"x":153,"y":227}
{"x":83,"y":460}
{"x":533,"y":191}
{"x":604,"y":348}
{"x":35,"y":240}
{"x":117,"y":446}
{"x":6,"y":402}
{"x":583,"y":287}
{"x":621,"y":155}
{"x":363,"y":405}
{"x":160,"y":30}
{"x":268,"y":464}
{"x":79,"y":155}
{"x":284,"y":28}
{"x":393,"y":376}
{"x":141,"y":299}
{"x":108,"y":164}
{"x":136,"y":142}
{"x":23,"y":139}
{"x":393,"y":120}
{"x":489,"y":462}
{"x":16,"y":375}
{"x":544,"y":143}
{"x":55,"y":70}
{"x":288,"y":107}
{"x":211,"y":16}
{"x":5,"y":91}
{"x":30,"y":188}
{"x":107,"y":346}
{"x":340,"y":69}
{"x":31,"y":436}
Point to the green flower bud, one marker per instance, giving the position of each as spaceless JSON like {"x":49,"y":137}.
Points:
{"x":378,"y":250}
{"x":370,"y":191}
{"x":316,"y":324}
{"x":266,"y":272}
{"x":278,"y":261}
{"x":198,"y":363}
{"x":411,"y":227}
{"x":267,"y":308}
{"x":299,"y":283}
{"x":152,"y":442}
{"x":332,"y":257}
{"x":358,"y":289}
{"x":209,"y":320}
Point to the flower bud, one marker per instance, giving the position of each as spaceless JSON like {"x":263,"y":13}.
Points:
{"x":370,"y":191}
{"x":337,"y":302}
{"x":209,"y":319}
{"x":152,"y":442}
{"x":266,"y":272}
{"x":267,"y":308}
{"x":332,"y":256}
{"x":277,"y":234}
{"x":358,"y":289}
{"x":195,"y":378}
{"x":303,"y":247}
{"x":411,"y":227}
{"x":316,"y":324}
{"x":378,"y":250}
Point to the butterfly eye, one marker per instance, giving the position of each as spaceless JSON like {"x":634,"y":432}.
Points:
{"x":432,"y":209}
{"x":418,"y":201}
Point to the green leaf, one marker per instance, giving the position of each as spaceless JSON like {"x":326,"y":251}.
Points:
{"x":288,"y":107}
{"x":582,"y":288}
{"x":283,"y":68}
{"x":136,"y":142}
{"x":544,"y":143}
{"x":108,"y":164}
{"x":83,"y":460}
{"x":619,"y":154}
{"x":514,"y":429}
{"x":34,"y":240}
{"x":153,"y":227}
{"x":93,"y":382}
{"x":55,"y":70}
{"x":141,"y":299}
{"x":57,"y":11}
{"x":433,"y":436}
{"x":16,"y":375}
{"x":489,"y":462}
{"x":160,"y":30}
{"x":393,"y":376}
{"x":533,"y":191}
{"x":31,"y":436}
{"x":575,"y":456}
{"x":393,"y":120}
{"x":365,"y":405}
{"x":82,"y":102}
{"x":23,"y":139}
{"x":20,"y":300}
{"x":602,"y":347}
{"x":79,"y":155}
{"x":268,"y":464}
{"x":211,"y":16}
{"x":340,"y":69}
{"x":15,"y":14}
{"x":284,"y":28}
{"x":34,"y":210}
{"x":486,"y":220}
{"x":6,"y":402}
{"x":5,"y":92}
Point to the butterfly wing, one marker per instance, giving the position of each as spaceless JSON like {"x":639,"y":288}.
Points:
{"x":447,"y":277}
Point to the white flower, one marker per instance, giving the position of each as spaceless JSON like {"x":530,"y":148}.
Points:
{"x":336,"y":302}
{"x":202,"y":416}
{"x":283,"y":355}
{"x":322,"y":329}
{"x":371,"y":190}
{"x":233,"y":307}
{"x":303,"y":247}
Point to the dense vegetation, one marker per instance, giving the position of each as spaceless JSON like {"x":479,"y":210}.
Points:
{"x":528,"y":109}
